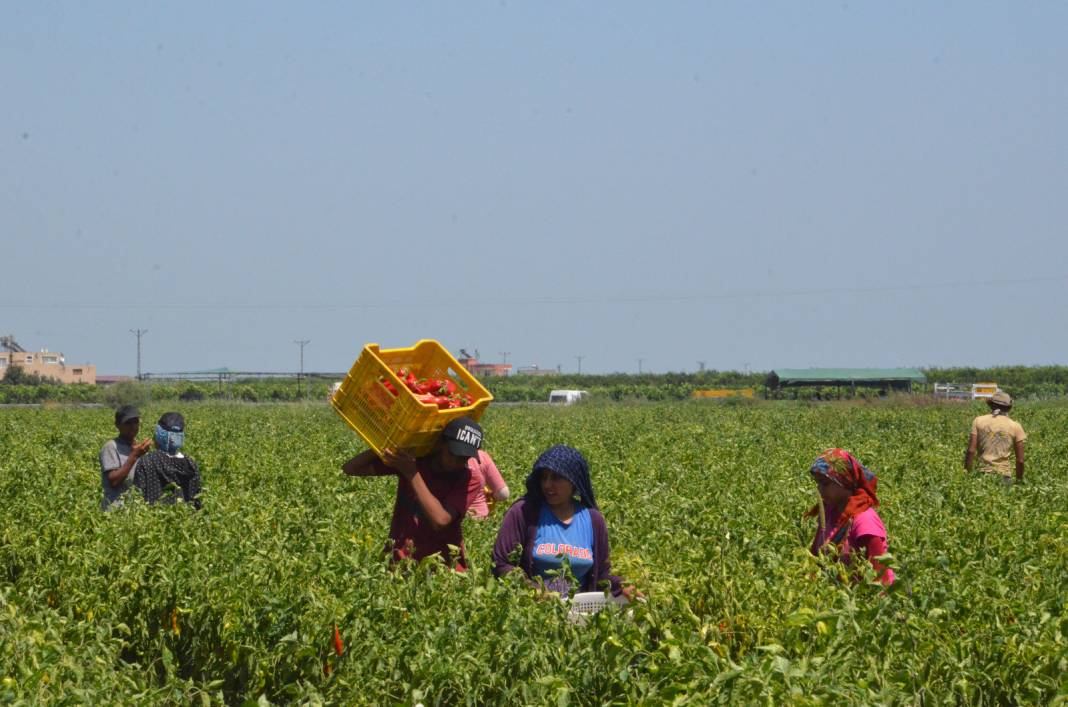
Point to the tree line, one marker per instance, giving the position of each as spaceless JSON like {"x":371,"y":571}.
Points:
{"x":19,"y":386}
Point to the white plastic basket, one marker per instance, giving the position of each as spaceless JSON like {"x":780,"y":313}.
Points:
{"x":586,"y":604}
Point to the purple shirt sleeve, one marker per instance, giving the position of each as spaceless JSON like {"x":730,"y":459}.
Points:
{"x":512,"y":535}
{"x":602,"y":567}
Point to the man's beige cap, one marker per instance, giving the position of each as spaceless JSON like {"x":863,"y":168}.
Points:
{"x":1001,"y":398}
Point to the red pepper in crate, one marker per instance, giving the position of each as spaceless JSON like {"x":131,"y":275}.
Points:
{"x":431,"y":399}
{"x":407,"y":377}
{"x":442,"y":392}
{"x":428,"y":386}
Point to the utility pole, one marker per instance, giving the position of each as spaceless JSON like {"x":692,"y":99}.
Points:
{"x":640,"y":365}
{"x":139,"y":333}
{"x":701,"y":366}
{"x":579,"y":359}
{"x":504,"y":356}
{"x":300,"y":376}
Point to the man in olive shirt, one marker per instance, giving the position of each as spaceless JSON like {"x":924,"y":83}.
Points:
{"x":119,"y":456}
{"x":995,"y":438}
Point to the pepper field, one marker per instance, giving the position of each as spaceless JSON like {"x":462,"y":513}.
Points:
{"x":238,"y":603}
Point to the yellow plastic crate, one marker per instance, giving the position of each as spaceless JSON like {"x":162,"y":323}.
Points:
{"x":402,"y":422}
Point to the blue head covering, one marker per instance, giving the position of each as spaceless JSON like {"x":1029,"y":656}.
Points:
{"x":170,"y":433}
{"x":569,"y":463}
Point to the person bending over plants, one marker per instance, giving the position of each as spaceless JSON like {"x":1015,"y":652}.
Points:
{"x":166,"y":475}
{"x":556,"y":523}
{"x":846,"y":511}
{"x":433,"y":493}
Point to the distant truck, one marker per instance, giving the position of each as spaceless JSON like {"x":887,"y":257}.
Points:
{"x":724,"y":393}
{"x":962,"y":391}
{"x":566,"y":397}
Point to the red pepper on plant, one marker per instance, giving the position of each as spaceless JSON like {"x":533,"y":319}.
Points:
{"x":339,"y":647}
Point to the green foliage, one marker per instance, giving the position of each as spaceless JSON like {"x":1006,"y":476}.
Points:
{"x":238,"y":602}
{"x":619,"y":386}
{"x":1039,"y":382}
{"x":1020,"y":381}
{"x":17,"y":375}
{"x":127,"y":393}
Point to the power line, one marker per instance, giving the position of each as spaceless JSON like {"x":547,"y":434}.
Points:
{"x":620,"y":298}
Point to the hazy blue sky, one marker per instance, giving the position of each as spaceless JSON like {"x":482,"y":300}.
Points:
{"x":745,"y":184}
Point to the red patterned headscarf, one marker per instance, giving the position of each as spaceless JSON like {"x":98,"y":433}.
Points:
{"x":842,"y":468}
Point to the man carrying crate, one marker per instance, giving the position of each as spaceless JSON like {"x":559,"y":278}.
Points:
{"x":433,"y":492}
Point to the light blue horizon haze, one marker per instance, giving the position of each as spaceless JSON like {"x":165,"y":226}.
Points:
{"x":750,"y":185}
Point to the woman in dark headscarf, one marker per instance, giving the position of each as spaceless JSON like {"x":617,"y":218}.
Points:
{"x":558,"y":518}
{"x":166,"y":475}
{"x":846,"y":510}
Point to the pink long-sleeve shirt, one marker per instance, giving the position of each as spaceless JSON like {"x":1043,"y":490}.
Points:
{"x":867,"y":533}
{"x":483,"y":468}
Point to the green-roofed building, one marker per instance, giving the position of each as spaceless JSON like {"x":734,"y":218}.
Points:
{"x":886,"y":379}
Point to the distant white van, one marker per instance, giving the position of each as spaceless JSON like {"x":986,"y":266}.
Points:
{"x":567,"y":397}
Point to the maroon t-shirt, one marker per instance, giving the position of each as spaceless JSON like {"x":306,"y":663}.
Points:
{"x":410,"y":532}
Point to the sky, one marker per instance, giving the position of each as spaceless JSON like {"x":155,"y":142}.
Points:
{"x":745,"y":185}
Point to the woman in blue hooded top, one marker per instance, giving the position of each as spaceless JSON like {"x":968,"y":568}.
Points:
{"x":558,"y":518}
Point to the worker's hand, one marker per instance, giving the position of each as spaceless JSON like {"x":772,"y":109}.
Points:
{"x":400,"y":461}
{"x":630,"y":592}
{"x":142,"y":448}
{"x":543,"y":593}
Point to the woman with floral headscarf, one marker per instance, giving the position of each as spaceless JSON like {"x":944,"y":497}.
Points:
{"x":846,"y":510}
{"x":558,"y":518}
